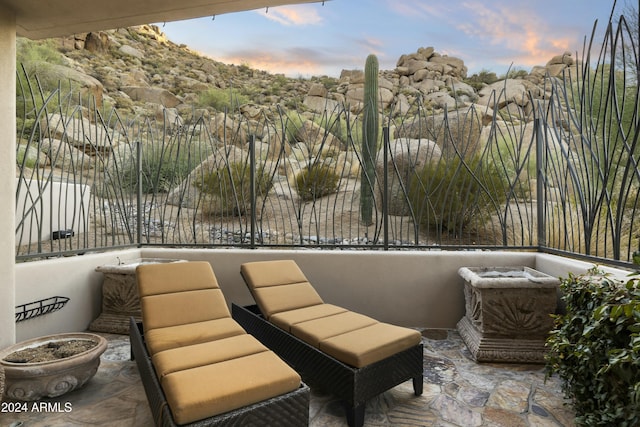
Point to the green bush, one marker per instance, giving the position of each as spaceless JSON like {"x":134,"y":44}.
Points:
{"x":316,"y":181}
{"x":479,"y":80}
{"x":27,"y":156}
{"x":595,"y":348}
{"x":231,"y":188}
{"x":222,"y":99}
{"x":451,"y":195}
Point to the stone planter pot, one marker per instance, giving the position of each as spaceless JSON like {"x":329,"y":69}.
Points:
{"x":120,"y":299}
{"x":508,"y":313}
{"x":33,"y":381}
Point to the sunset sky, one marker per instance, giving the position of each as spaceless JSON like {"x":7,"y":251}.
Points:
{"x":316,"y":39}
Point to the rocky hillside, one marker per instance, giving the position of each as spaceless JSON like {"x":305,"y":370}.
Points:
{"x":138,"y":70}
{"x":145,"y":75}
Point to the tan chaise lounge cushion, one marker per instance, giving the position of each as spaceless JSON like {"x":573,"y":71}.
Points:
{"x":215,"y":388}
{"x":182,"y":304}
{"x":206,"y":363}
{"x":287,"y":299}
{"x":194,"y":356}
{"x":370,"y":344}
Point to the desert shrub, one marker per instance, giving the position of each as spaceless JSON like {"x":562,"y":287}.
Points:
{"x":163,"y":168}
{"x":595,"y":348}
{"x":479,"y":80}
{"x":292,"y":125}
{"x":316,"y":181}
{"x":229,"y":188}
{"x":27,"y":156}
{"x":453,"y":194}
{"x":222,"y":99}
{"x":29,"y":51}
{"x":516,"y":73}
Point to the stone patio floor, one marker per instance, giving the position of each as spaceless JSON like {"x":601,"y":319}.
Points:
{"x":457,"y":392}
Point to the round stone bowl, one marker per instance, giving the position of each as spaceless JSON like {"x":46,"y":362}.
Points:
{"x":35,"y":380}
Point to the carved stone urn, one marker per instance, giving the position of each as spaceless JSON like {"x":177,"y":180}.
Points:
{"x":120,"y":299}
{"x":29,"y":381}
{"x":508,"y":313}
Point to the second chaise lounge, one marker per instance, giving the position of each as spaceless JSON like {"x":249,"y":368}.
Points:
{"x":350,"y":355}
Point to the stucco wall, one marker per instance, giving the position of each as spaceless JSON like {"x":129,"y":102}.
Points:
{"x":71,"y":277}
{"x":410,"y":288}
{"x":7,"y":166}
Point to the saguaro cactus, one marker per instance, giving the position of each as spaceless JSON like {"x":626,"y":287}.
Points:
{"x":369,"y":139}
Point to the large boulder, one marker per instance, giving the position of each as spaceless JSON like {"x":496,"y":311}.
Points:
{"x":226,"y":128}
{"x":65,"y":156}
{"x":89,"y":87}
{"x":504,"y":92}
{"x":81,"y":133}
{"x":455,"y":131}
{"x":152,"y":94}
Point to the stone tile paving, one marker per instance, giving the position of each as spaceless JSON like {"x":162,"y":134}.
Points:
{"x":457,"y":392}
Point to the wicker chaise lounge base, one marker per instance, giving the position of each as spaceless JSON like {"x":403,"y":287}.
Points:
{"x":354,"y":386}
{"x":349,"y":355}
{"x":290,"y":410}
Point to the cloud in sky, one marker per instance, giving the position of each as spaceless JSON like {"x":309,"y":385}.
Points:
{"x":311,"y":39}
{"x":292,"y":16}
{"x":510,"y":32}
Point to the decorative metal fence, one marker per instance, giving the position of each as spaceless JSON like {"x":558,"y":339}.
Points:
{"x":555,"y":171}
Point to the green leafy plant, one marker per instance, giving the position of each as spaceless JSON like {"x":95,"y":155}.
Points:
{"x":292,"y":126}
{"x":163,"y":167}
{"x":222,"y":99}
{"x":451,"y":195}
{"x":479,"y":80}
{"x":595,"y":348}
{"x":230,"y":186}
{"x":316,"y":181}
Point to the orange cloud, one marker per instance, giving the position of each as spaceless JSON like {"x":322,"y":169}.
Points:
{"x":292,"y":67}
{"x":517,"y":29}
{"x":292,"y":16}
{"x":523,"y":34}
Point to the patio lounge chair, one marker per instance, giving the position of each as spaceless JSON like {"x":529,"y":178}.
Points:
{"x":348,"y":354}
{"x":198,"y":366}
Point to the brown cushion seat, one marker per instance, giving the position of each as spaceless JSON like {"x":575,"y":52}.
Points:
{"x":193,"y":356}
{"x":286,"y":319}
{"x":370,"y":344}
{"x":316,"y":330}
{"x":287,"y":299}
{"x":215,"y":388}
{"x":161,"y":339}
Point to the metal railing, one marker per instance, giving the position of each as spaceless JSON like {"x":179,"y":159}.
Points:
{"x":555,"y":172}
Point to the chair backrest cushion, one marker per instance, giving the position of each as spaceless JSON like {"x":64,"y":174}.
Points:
{"x":279,"y":286}
{"x":179,"y":293}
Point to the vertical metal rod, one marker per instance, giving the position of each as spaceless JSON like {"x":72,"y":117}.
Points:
{"x":385,"y":187}
{"x":540,"y":196}
{"x":252,"y":187}
{"x":139,"y":195}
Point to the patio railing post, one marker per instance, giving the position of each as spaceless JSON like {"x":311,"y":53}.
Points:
{"x":252,"y":188}
{"x":385,"y":187}
{"x":139,"y":209}
{"x":540,"y":177}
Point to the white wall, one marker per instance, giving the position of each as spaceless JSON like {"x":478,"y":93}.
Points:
{"x":409,"y":288}
{"x":70,"y":204}
{"x":72,"y":277}
{"x":7,"y":168}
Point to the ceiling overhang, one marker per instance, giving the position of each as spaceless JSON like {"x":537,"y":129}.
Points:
{"x":38,"y":19}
